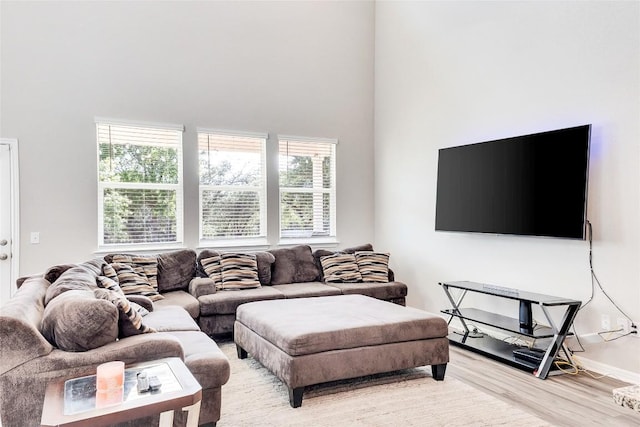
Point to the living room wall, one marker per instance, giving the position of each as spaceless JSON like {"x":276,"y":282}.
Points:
{"x":454,"y":73}
{"x":295,"y":68}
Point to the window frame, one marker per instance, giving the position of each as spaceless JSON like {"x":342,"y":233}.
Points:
{"x":332,"y":237}
{"x":177,"y":187}
{"x":250,"y":242}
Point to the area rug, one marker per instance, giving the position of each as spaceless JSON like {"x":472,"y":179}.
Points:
{"x":255,"y":397}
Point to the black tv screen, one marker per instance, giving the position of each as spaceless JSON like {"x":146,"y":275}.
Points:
{"x":526,"y":185}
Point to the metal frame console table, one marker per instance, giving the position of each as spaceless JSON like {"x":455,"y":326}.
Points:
{"x":500,"y":349}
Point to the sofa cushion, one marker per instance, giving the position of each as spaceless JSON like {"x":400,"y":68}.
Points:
{"x":373,"y":266}
{"x":182,"y":299}
{"x":79,"y":277}
{"x":171,"y":318}
{"x":227,"y":302}
{"x":56,"y":271}
{"x":385,"y":291}
{"x":294,"y":265}
{"x":340,"y":268}
{"x":129,"y":317}
{"x":307,"y":289}
{"x":176,"y":269}
{"x":77,"y":321}
{"x":133,"y":281}
{"x":265,"y":260}
{"x":239,"y":271}
{"x":203,"y":357}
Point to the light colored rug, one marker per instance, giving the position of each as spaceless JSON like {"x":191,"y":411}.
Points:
{"x":255,"y":397}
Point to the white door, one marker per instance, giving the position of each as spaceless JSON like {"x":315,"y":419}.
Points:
{"x":8,"y":218}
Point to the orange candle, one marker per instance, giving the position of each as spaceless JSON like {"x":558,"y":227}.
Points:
{"x":109,"y":384}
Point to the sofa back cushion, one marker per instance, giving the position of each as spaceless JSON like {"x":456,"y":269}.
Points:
{"x":176,"y":269}
{"x":294,"y":265}
{"x":20,"y":317}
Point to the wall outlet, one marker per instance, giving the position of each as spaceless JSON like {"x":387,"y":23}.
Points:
{"x":623,"y":324}
{"x":605,"y":322}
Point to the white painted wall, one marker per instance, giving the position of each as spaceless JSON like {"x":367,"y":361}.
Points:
{"x":296,"y":68}
{"x":453,"y":73}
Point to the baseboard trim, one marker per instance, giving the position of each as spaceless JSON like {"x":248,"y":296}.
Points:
{"x":604,"y":369}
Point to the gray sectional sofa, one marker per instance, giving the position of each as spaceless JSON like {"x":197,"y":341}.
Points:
{"x":39,"y":326}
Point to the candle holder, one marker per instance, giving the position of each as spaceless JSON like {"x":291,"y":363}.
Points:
{"x":109,"y":384}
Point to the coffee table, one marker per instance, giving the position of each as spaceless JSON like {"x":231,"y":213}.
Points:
{"x":72,"y":402}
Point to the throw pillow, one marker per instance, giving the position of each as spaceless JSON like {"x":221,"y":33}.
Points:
{"x":77,"y":321}
{"x":80,"y":277}
{"x":133,"y":281}
{"x":293,"y":265}
{"x":107,"y":283}
{"x":108,"y":271}
{"x":129,"y":316}
{"x":239,"y":271}
{"x":319,"y":253}
{"x":176,"y":269}
{"x":373,"y":266}
{"x":340,"y":268}
{"x":149,"y":265}
{"x":205,"y":253}
{"x":213,"y":268}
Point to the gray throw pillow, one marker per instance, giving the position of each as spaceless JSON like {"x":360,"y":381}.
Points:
{"x":76,"y":321}
{"x":294,"y":265}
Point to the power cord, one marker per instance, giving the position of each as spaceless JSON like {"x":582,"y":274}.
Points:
{"x":594,"y":281}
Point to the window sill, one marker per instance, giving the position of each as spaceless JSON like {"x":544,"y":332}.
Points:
{"x":141,"y":249}
{"x":315,"y":243}
{"x":236,"y":245}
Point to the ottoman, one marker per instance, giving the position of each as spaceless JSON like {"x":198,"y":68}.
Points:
{"x":307,"y":341}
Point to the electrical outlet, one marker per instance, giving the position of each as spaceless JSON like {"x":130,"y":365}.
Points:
{"x":623,"y":324}
{"x":605,"y":322}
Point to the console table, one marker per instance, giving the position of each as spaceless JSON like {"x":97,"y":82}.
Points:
{"x":72,"y":403}
{"x":523,"y":325}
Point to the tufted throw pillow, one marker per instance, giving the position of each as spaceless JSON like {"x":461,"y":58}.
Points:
{"x":148,"y":264}
{"x":373,"y":266}
{"x":340,"y":267}
{"x":133,"y":281}
{"x":76,"y":321}
{"x":239,"y":271}
{"x":129,"y":315}
{"x":213,"y":268}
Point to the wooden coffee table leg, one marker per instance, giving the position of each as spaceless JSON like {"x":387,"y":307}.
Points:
{"x":166,"y":419}
{"x":193,"y":414}
{"x":295,"y":397}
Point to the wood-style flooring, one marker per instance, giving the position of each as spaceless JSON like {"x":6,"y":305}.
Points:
{"x":561,"y":400}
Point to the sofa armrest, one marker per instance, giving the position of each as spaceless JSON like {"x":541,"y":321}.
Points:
{"x":202,"y":286}
{"x":141,"y":300}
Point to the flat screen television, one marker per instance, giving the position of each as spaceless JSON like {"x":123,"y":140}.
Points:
{"x":534,"y":185}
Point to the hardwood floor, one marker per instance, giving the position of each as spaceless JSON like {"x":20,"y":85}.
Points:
{"x":561,"y":400}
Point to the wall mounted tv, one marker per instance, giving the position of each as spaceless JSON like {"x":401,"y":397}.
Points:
{"x":533,"y":185}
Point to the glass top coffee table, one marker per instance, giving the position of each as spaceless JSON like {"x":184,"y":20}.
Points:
{"x":73,"y":402}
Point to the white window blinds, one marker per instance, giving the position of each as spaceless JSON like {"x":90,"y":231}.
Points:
{"x":232,"y":185}
{"x":307,"y":187}
{"x":140,"y":183}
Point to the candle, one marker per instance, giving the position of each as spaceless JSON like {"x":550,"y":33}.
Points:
{"x":109,"y":384}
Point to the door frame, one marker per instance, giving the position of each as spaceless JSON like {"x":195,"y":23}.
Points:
{"x":14,"y":211}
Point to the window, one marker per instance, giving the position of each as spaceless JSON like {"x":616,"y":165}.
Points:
{"x":139,"y":183}
{"x":232,"y":186}
{"x":307,"y":187}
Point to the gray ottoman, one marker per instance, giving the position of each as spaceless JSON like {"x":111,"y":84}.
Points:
{"x":307,"y":341}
